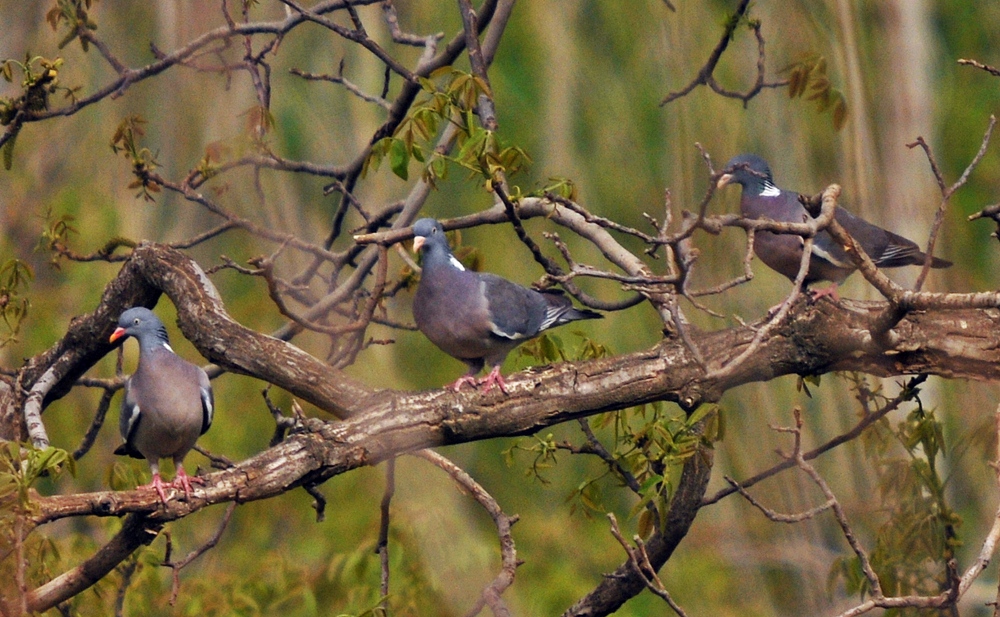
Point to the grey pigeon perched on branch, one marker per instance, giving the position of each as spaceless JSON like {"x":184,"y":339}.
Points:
{"x":476,"y":317}
{"x":762,"y":199}
{"x":168,"y":401}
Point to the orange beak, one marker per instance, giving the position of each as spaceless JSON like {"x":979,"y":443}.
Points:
{"x":117,"y":334}
{"x":418,"y":241}
{"x":724,"y":180}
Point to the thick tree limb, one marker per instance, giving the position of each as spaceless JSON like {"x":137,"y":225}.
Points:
{"x":136,"y":531}
{"x":817,"y":339}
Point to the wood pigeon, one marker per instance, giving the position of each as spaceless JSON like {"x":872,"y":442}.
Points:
{"x":168,"y":401}
{"x":477,"y":317}
{"x":782,"y":253}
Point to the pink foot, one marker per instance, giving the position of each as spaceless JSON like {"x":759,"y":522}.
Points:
{"x":830,"y":291}
{"x":184,"y":481}
{"x":461,"y":381}
{"x":493,"y":379}
{"x":158,"y":485}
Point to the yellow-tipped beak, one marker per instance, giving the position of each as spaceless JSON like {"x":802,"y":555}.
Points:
{"x":418,"y":241}
{"x":724,"y":180}
{"x":117,"y":334}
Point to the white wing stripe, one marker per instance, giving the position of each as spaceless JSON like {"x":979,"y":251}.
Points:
{"x":818,"y":252}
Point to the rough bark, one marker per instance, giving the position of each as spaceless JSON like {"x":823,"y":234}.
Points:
{"x":815,"y":338}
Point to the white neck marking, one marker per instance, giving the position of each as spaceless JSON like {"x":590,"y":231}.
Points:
{"x":770,"y":190}
{"x":455,"y":262}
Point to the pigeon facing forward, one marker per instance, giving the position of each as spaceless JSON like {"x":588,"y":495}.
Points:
{"x":168,"y":401}
{"x":782,"y":253}
{"x":476,"y":317}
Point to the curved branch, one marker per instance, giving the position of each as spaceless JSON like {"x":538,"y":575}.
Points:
{"x":137,"y":531}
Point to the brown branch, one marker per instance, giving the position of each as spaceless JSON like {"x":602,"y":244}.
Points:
{"x":624,"y":582}
{"x":946,"y":193}
{"x":485,"y":108}
{"x":868,"y":419}
{"x":979,"y":65}
{"x":95,"y":426}
{"x":177,"y":566}
{"x":382,"y":548}
{"x":777,"y":517}
{"x":508,"y":556}
{"x":704,"y":75}
{"x":832,"y":502}
{"x":136,"y":531}
{"x":638,"y":560}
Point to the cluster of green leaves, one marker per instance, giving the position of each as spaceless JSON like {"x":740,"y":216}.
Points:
{"x":126,"y":141}
{"x":21,"y":464}
{"x":651,"y":442}
{"x":919,"y":533}
{"x":14,"y":278}
{"x":452,"y":100}
{"x":807,"y":77}
{"x":74,"y":14}
{"x":40,"y":78}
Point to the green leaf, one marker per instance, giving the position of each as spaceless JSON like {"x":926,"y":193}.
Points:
{"x":701,"y":412}
{"x":399,"y":159}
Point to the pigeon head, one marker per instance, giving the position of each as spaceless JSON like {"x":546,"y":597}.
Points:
{"x":141,"y":323}
{"x":750,"y":171}
{"x":428,"y":232}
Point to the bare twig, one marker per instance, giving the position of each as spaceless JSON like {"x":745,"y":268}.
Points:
{"x":777,"y":517}
{"x":866,"y":421}
{"x":95,"y":425}
{"x":946,"y":193}
{"x":508,"y":556}
{"x":639,"y":561}
{"x":382,"y":548}
{"x":979,"y":65}
{"x":127,"y":569}
{"x":177,"y":566}
{"x":705,"y":74}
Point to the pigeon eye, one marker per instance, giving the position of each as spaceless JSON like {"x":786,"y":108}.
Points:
{"x":135,"y":322}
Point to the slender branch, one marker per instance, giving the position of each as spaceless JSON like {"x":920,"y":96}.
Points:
{"x":946,"y":193}
{"x":979,"y":65}
{"x":136,"y":531}
{"x":508,"y":556}
{"x":177,"y":566}
{"x":638,"y":559}
{"x":382,"y":548}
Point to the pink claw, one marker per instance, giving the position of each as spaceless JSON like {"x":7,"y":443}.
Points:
{"x":158,"y":485}
{"x":494,"y":379}
{"x":830,"y":291}
{"x":184,"y":481}
{"x":461,"y":381}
